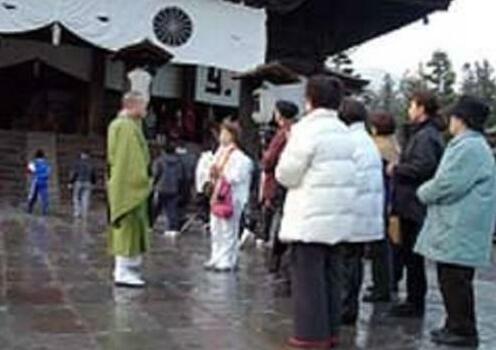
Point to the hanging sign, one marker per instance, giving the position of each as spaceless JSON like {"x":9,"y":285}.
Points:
{"x":216,"y":87}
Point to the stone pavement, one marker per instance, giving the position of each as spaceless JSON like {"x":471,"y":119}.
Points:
{"x":55,"y":293}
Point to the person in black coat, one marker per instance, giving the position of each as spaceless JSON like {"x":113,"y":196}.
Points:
{"x":418,"y":163}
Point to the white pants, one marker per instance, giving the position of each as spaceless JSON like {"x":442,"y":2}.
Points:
{"x":224,"y":240}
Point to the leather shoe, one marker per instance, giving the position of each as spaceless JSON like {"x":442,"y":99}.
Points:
{"x":447,"y":337}
{"x":439,"y":332}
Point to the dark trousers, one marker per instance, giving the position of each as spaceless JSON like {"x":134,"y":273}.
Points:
{"x":381,"y":267}
{"x":267,"y":216}
{"x":40,"y":191}
{"x":352,"y":255}
{"x":397,"y":265}
{"x":203,"y":207}
{"x":316,"y":291}
{"x":456,"y":284}
{"x":278,"y":247}
{"x":416,"y":280}
{"x":170,"y":204}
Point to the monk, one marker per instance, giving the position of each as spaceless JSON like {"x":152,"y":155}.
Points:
{"x":129,"y":187}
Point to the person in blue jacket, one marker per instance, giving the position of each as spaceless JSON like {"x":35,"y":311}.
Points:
{"x":40,"y":171}
{"x":461,"y":214}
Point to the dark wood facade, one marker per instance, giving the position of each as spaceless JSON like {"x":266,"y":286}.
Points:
{"x":312,"y":30}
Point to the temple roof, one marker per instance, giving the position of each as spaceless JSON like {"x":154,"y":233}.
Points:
{"x":340,"y":24}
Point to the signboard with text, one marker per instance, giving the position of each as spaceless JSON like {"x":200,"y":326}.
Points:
{"x":216,"y":87}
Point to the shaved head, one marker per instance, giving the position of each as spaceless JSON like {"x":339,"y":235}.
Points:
{"x":133,"y":96}
{"x":135,"y":103}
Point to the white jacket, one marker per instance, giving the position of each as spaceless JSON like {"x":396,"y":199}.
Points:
{"x":202,"y":172}
{"x":238,"y":172}
{"x":318,"y":169}
{"x":369,"y":204}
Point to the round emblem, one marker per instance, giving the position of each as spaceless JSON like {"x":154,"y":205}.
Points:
{"x":173,"y":26}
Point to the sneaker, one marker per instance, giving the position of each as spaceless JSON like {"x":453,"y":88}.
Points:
{"x":447,"y":337}
{"x":306,"y":344}
{"x":245,"y":238}
{"x":260,"y":243}
{"x":208,"y":266}
{"x":171,"y":234}
{"x":224,"y":269}
{"x":436,"y":333}
{"x":127,"y":279}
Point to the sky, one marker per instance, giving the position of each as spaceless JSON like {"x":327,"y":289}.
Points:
{"x":467,"y":31}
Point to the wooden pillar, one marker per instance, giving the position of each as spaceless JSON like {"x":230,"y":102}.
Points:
{"x":250,"y":135}
{"x":96,"y":93}
{"x":189,"y":83}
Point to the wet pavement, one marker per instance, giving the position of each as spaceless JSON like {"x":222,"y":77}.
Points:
{"x":56,"y":293}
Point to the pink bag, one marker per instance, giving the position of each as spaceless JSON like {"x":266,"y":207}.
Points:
{"x":222,"y":205}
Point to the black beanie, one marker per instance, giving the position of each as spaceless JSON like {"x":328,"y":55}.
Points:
{"x":473,"y":111}
{"x":287,"y":109}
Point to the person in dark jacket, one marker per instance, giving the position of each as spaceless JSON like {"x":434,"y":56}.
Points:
{"x":418,"y":163}
{"x":188,"y":161}
{"x":273,"y":193}
{"x":169,"y":176}
{"x":83,"y":178}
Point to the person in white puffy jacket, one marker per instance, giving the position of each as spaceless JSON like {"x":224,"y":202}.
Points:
{"x":318,"y":169}
{"x":368,"y":207}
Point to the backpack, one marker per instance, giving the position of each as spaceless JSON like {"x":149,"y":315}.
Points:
{"x":171,"y":175}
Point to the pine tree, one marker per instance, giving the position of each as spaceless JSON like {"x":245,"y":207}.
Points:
{"x":469,"y":83}
{"x":388,"y":94}
{"x":479,"y":80}
{"x":486,"y":82}
{"x":440,"y":77}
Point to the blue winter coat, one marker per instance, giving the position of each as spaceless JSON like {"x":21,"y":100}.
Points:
{"x":461,"y":201}
{"x":41,"y":171}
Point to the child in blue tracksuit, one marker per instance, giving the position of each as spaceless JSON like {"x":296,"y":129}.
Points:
{"x":40,"y":171}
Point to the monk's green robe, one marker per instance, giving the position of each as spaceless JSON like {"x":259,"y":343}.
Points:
{"x":128,"y":188}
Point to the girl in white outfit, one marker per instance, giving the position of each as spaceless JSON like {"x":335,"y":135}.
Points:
{"x":235,"y":167}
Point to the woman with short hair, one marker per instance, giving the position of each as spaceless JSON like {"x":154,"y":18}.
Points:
{"x":230,"y":175}
{"x":368,"y":206}
{"x":461,"y":214}
{"x":387,"y":266}
{"x":318,"y":169}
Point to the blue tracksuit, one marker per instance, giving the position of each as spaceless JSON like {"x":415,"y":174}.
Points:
{"x":41,"y":170}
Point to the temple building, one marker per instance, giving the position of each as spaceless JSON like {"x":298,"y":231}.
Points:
{"x":61,"y":77}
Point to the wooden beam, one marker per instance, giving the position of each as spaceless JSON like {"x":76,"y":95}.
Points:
{"x":96,"y":93}
{"x":430,"y":4}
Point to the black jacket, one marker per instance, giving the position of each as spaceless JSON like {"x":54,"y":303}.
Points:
{"x":83,"y":171}
{"x":418,"y":163}
{"x":169,"y":174}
